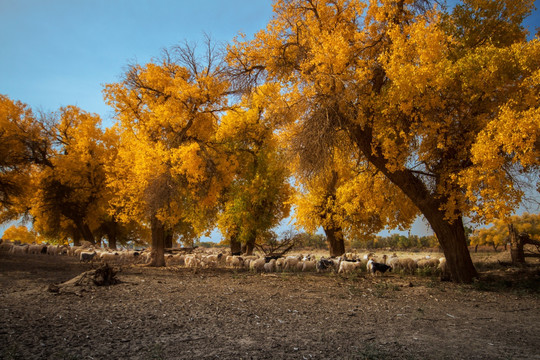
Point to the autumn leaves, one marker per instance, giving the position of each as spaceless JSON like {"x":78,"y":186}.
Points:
{"x":378,"y":110}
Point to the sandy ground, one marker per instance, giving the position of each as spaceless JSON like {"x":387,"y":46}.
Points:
{"x":177,"y":313}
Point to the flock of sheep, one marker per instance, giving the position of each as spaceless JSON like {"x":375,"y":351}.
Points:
{"x":346,"y":264}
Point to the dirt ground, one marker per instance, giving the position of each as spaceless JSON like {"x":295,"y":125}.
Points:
{"x":177,"y":313}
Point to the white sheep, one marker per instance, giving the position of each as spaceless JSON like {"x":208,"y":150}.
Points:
{"x":280,"y":263}
{"x":257,"y":265}
{"x":427,"y":263}
{"x":291,"y":263}
{"x":406,"y":265}
{"x":236,"y":262}
{"x":270,"y":266}
{"x":443,"y":268}
{"x":19,"y":249}
{"x":37,"y":249}
{"x":52,"y":250}
{"x":6,"y":247}
{"x":109,"y":257}
{"x":347,"y":267}
{"x":309,"y":266}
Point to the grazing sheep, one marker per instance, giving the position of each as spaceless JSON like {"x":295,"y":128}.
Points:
{"x":270,"y":266}
{"x":291,"y":263}
{"x":176,"y":259}
{"x":6,"y":247}
{"x":407,"y":265}
{"x":443,"y":268}
{"x":280,"y":263}
{"x":191,"y":261}
{"x":109,"y":257}
{"x":427,"y":263}
{"x":377,"y":268}
{"x":52,"y":250}
{"x":236,"y":262}
{"x":257,"y":265}
{"x":19,"y":249}
{"x":347,"y":267}
{"x":310,"y":265}
{"x":87,"y":256}
{"x":37,"y":249}
{"x":324,"y":265}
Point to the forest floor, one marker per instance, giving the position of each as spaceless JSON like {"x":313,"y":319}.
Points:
{"x":177,"y":313}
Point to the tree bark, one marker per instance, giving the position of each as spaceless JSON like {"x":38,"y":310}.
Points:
{"x":236,"y":246}
{"x":454,"y":244}
{"x":250,"y":245}
{"x":157,"y":254}
{"x":85,"y":231}
{"x":516,"y":246}
{"x":110,"y":228}
{"x":76,"y":236}
{"x":112,"y":241}
{"x":169,"y":239}
{"x":336,"y":243}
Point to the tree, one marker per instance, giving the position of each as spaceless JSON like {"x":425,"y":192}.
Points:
{"x":258,"y":198}
{"x":21,"y":234}
{"x":416,"y":90}
{"x":22,"y":145}
{"x":168,"y":170}
{"x":516,"y":230}
{"x":70,"y":190}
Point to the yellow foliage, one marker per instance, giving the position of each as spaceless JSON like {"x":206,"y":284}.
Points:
{"x":21,"y":234}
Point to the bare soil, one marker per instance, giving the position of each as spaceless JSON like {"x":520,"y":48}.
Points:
{"x":176,"y":313}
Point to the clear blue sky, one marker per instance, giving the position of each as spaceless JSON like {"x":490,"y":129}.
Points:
{"x":55,"y":53}
{"x":60,"y":52}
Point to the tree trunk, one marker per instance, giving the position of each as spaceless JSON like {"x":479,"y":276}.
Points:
{"x":76,"y":236}
{"x":169,"y":239}
{"x":336,"y":243}
{"x":453,"y":241}
{"x":85,"y":231}
{"x":157,"y":254}
{"x":110,"y":228}
{"x":451,"y":235}
{"x":236,"y":246}
{"x":516,"y":246}
{"x":112,"y":241}
{"x":250,"y":245}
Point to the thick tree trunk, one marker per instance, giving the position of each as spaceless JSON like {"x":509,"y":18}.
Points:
{"x":336,"y":243}
{"x":85,"y":231}
{"x":112,"y":241}
{"x":453,"y":241}
{"x":250,"y":246}
{"x":110,"y":228}
{"x":451,"y":235}
{"x":516,"y":246}
{"x":76,"y":236}
{"x":169,"y":239}
{"x":157,"y":254}
{"x":236,"y":246}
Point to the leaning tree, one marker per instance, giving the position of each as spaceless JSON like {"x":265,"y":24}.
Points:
{"x":423,"y":94}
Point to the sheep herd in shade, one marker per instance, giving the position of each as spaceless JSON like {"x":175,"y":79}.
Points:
{"x":349,"y":263}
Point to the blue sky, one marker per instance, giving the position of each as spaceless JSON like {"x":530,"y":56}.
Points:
{"x":55,"y":53}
